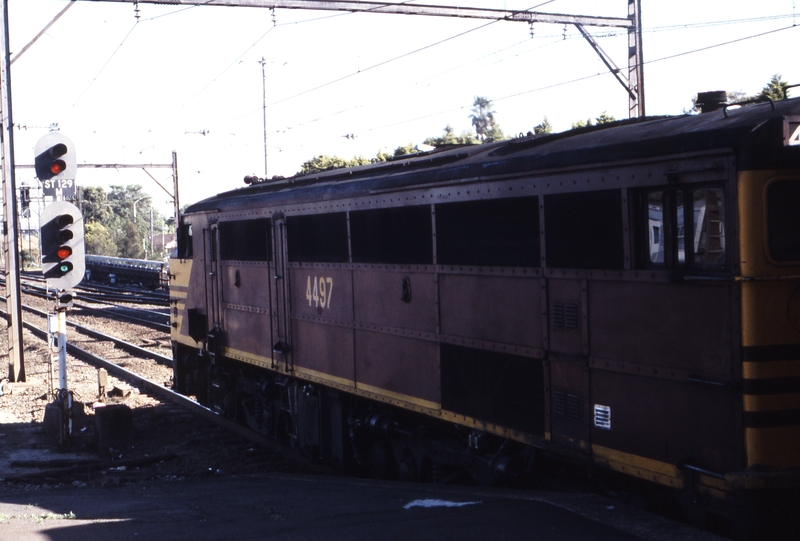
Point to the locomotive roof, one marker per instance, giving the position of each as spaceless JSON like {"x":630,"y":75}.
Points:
{"x":754,"y":132}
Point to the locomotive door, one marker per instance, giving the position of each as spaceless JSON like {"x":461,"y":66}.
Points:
{"x":282,"y":341}
{"x":568,"y":366}
{"x":211,"y":248}
{"x":212,"y":282}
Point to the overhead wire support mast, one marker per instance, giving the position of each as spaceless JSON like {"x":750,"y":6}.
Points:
{"x":632,"y":23}
{"x":16,"y":360}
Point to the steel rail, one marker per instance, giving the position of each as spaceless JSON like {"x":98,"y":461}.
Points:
{"x":100,"y":298}
{"x":109,"y":298}
{"x":169,"y":395}
{"x":118,"y":343}
{"x":156,"y":326}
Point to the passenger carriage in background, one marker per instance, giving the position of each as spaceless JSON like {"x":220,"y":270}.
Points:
{"x":148,"y":273}
{"x":627,"y":295}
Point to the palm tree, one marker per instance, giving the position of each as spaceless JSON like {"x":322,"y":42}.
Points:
{"x":483,"y":117}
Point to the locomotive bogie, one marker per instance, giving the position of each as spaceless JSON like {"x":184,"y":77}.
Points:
{"x":626,"y":296}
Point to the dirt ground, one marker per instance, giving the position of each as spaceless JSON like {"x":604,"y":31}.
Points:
{"x":165,"y":441}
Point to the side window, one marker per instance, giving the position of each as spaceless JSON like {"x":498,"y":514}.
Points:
{"x":708,"y":243}
{"x":655,"y":227}
{"x":245,"y":240}
{"x":494,"y":232}
{"x":185,"y":250}
{"x":583,"y":230}
{"x":673,"y":241}
{"x":317,"y":238}
{"x":400,"y":235}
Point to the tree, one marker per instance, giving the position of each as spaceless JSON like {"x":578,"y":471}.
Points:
{"x":543,"y":128}
{"x":131,"y":222}
{"x":776,"y":89}
{"x":322,"y":163}
{"x":98,"y":240}
{"x":118,"y":222}
{"x":450,"y":138}
{"x":605,"y":118}
{"x":405,"y":150}
{"x":128,"y":243}
{"x":483,"y":121}
{"x":95,"y":205}
{"x":582,"y":123}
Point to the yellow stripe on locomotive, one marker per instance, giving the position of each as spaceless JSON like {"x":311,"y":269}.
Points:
{"x":770,"y":274}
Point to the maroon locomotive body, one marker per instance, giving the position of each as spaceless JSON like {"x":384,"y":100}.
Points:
{"x":625,"y":295}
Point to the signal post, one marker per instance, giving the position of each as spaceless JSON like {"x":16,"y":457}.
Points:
{"x":63,"y":256}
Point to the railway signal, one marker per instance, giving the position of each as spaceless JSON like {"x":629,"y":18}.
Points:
{"x":56,"y":164}
{"x":63,"y":253}
{"x":55,"y":157}
{"x":63,"y":266}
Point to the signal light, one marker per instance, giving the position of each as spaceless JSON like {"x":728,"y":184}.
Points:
{"x":63,"y":259}
{"x":55,"y":158}
{"x":64,"y":299}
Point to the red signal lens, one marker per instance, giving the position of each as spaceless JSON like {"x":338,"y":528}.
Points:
{"x":64,"y":252}
{"x":57,"y":166}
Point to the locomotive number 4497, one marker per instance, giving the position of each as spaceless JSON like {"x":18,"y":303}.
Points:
{"x":319,"y":290}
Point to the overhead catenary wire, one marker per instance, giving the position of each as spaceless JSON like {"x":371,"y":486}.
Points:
{"x":380,"y":99}
{"x":399,"y":57}
{"x":329,"y":83}
{"x":539,"y":89}
{"x":296,"y":95}
{"x":339,"y":79}
{"x":572,"y":81}
{"x":85,"y":90}
{"x":404,"y":55}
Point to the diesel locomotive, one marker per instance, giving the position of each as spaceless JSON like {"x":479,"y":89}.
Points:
{"x":627,"y":295}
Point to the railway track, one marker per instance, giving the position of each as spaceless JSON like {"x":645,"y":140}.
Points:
{"x":113,"y":304}
{"x":166,"y":420}
{"x":105,"y":295}
{"x":154,"y":320}
{"x":143,"y":383}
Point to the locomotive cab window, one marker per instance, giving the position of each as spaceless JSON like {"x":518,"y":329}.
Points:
{"x":683,"y":228}
{"x":783,"y":220}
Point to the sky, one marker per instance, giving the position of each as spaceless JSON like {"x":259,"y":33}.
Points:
{"x":131,"y":87}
